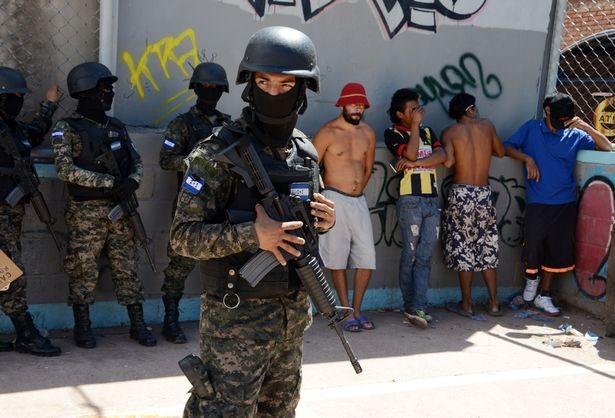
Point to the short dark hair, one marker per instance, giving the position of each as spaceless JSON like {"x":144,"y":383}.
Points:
{"x":398,"y":102}
{"x":561,"y":105}
{"x":459,"y":104}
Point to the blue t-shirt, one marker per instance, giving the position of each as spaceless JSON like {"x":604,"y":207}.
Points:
{"x":555,"y":154}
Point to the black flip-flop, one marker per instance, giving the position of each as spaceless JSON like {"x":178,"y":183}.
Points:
{"x":456,"y":308}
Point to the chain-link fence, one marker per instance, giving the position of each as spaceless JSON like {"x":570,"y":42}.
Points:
{"x":44,"y":39}
{"x":587,"y":61}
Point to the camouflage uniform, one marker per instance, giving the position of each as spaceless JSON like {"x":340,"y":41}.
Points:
{"x":90,"y":231}
{"x":179,"y":140}
{"x":253,"y":352}
{"x":13,"y":300}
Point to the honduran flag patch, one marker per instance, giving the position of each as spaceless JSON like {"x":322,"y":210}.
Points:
{"x":168,"y":143}
{"x":193,"y":183}
{"x":57,"y":135}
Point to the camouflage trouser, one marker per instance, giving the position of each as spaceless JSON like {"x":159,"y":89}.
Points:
{"x":13,"y":300}
{"x":89,"y":233}
{"x":253,"y":354}
{"x":176,"y":273}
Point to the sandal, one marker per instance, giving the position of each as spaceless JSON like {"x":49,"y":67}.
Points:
{"x":456,"y":308}
{"x":497,"y":312}
{"x":365,"y":323}
{"x":352,"y":325}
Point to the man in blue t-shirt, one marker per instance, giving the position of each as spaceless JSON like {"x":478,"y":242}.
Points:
{"x":548,"y":148}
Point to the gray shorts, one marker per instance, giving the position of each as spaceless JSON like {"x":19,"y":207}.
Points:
{"x":350,"y":243}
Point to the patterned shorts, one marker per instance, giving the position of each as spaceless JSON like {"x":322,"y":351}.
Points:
{"x":469,"y":229}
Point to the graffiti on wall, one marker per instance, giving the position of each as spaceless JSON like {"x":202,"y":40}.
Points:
{"x":393,"y":16}
{"x":396,"y":15}
{"x":453,"y":79}
{"x":593,"y":236}
{"x":383,"y":214}
{"x":508,"y":196}
{"x":180,"y":52}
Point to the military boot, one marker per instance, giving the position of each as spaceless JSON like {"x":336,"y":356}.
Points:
{"x":82,"y":332}
{"x":138,"y":329}
{"x":170,"y":328}
{"x":29,"y":340}
{"x":6,"y":346}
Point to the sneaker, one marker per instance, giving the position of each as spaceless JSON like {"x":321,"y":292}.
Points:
{"x":545,"y":304}
{"x":424,"y":315}
{"x":415,"y":319}
{"x":531,"y":289}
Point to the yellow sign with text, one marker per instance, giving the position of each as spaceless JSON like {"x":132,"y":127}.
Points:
{"x":604,"y":116}
{"x":9,"y":272}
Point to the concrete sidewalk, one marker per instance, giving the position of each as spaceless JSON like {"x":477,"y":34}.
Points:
{"x":458,"y":368}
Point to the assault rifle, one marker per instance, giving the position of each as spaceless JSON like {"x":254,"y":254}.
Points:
{"x":27,"y":185}
{"x":126,"y":207}
{"x":244,"y":160}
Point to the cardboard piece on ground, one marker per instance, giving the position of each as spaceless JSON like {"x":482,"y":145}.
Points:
{"x":9,"y":272}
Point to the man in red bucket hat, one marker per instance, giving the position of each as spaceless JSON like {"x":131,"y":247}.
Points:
{"x":346,"y":148}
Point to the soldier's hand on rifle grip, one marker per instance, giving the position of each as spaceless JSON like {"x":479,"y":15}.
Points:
{"x":323,"y":210}
{"x":272,"y":235}
{"x":123,"y":188}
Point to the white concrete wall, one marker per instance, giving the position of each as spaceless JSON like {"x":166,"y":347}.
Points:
{"x":491,"y":49}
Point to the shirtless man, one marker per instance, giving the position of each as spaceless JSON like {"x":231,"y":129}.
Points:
{"x":469,"y":230}
{"x":346,"y":149}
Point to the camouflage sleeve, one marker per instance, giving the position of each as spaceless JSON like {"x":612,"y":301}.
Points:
{"x":200,"y":229}
{"x":174,"y":142}
{"x":136,"y":171}
{"x":67,"y":145}
{"x":41,"y":123}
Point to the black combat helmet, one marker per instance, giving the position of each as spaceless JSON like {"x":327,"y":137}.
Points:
{"x":11,"y":81}
{"x":209,"y":72}
{"x":280,"y":50}
{"x":86,"y":76}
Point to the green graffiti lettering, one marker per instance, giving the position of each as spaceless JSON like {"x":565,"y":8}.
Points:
{"x":453,"y":79}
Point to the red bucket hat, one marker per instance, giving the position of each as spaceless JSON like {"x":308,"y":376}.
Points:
{"x":352,"y":93}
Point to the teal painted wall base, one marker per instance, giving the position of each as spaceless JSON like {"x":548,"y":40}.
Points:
{"x":108,"y":314}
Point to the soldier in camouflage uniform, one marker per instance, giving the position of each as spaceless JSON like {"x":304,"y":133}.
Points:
{"x":25,"y":136}
{"x":252,"y":337}
{"x":208,"y":82}
{"x":77,"y":142}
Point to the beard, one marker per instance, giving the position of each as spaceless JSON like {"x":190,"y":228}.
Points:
{"x":352,"y":118}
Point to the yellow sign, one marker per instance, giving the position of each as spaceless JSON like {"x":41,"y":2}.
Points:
{"x":604,"y":117}
{"x":9,"y":272}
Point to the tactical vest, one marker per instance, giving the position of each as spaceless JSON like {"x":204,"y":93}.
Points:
{"x":297,"y":167}
{"x":199,"y":128}
{"x":96,"y":141}
{"x":7,"y":163}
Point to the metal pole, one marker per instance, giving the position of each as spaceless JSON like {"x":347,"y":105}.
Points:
{"x":107,"y":36}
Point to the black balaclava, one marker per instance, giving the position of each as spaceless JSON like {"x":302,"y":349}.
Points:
{"x":277,"y":115}
{"x":208,"y":98}
{"x":10,"y":105}
{"x":348,"y":117}
{"x":95,"y":102}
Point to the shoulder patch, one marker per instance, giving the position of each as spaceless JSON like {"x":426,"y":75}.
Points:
{"x":193,"y":183}
{"x":168,"y":143}
{"x":57,"y":136}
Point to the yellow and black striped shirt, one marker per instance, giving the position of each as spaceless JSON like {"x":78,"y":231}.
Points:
{"x":419,"y":181}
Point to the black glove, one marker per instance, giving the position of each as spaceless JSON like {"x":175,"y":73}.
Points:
{"x":123,"y":188}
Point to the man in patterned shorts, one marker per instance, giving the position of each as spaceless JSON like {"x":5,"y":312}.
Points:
{"x":470,"y":234}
